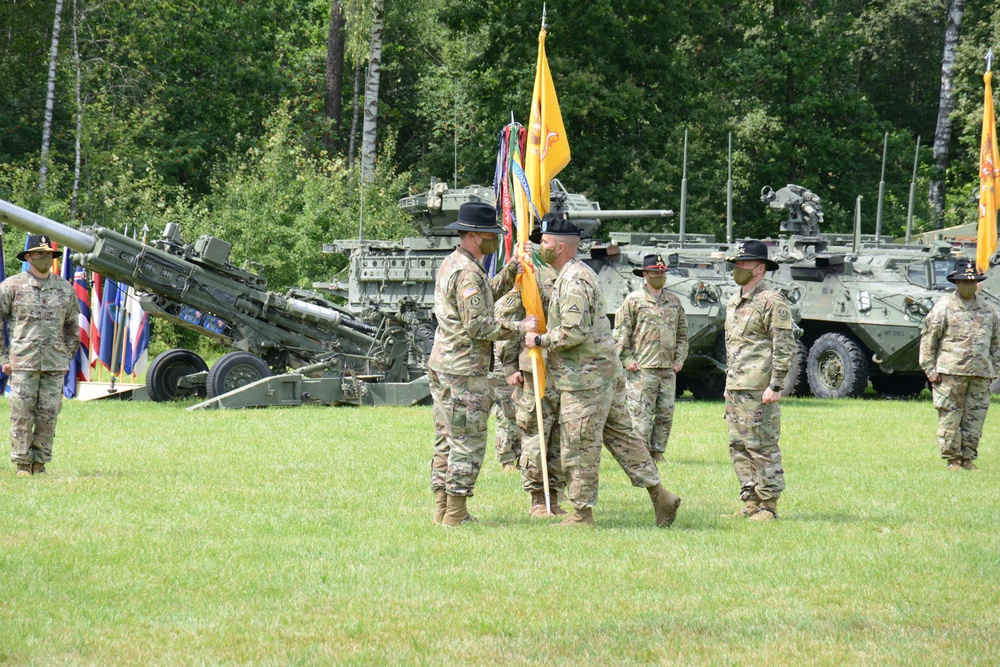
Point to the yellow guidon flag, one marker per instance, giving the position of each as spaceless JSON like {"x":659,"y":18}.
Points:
{"x":547,"y":153}
{"x":989,"y":178}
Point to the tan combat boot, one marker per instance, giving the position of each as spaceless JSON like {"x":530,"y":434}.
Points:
{"x":658,"y":457}
{"x":749,"y":508}
{"x":538,"y":505}
{"x":456,"y":514}
{"x":967,"y":464}
{"x":768,"y":511}
{"x":579,"y":518}
{"x":37,"y":468}
{"x":24,"y":470}
{"x":665,"y":505}
{"x":955,"y":464}
{"x":440,"y":505}
{"x":509,"y":466}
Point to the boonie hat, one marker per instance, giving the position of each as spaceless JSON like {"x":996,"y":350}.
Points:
{"x":38,"y":244}
{"x":555,"y":224}
{"x":752,"y":249}
{"x":651,"y":263}
{"x":476,"y":216}
{"x":965,"y":269}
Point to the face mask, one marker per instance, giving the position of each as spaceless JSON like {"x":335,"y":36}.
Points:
{"x":966,"y":291}
{"x":489,"y":246}
{"x":657,"y":282}
{"x":548,"y":255}
{"x":42,"y":264}
{"x":742,"y":276}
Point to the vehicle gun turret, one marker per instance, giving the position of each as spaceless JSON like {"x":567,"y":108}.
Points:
{"x":198,"y":288}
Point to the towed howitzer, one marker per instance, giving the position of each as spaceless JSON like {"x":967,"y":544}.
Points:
{"x":197,"y":288}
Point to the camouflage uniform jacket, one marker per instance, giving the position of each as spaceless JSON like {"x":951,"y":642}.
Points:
{"x":759,"y":339}
{"x":463,"y":305}
{"x":961,"y":338}
{"x":43,"y":320}
{"x":513,"y":354}
{"x":651,"y":331}
{"x":581,"y":351}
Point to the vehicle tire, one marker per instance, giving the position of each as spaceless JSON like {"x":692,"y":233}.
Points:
{"x":995,"y":387}
{"x":707,"y":386}
{"x":797,"y":380}
{"x":837,"y":367}
{"x":235,"y":370}
{"x":166,"y":370}
{"x":899,"y":384}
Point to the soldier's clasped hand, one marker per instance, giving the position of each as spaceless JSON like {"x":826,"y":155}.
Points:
{"x":516,"y":379}
{"x":530,"y":324}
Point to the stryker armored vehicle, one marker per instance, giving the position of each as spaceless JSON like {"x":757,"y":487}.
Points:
{"x":396,"y":278}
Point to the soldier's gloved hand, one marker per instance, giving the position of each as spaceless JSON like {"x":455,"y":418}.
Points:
{"x":770,"y":396}
{"x":933,"y":378}
{"x":530,"y":324}
{"x":633,"y":367}
{"x":516,"y":380}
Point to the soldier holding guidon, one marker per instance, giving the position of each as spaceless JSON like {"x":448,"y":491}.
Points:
{"x":42,"y":314}
{"x":651,"y":339}
{"x":759,"y":349}
{"x":960,"y":353}
{"x":584,"y":369}
{"x":459,"y":364}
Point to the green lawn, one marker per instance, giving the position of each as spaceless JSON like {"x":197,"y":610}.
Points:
{"x":304,"y":536}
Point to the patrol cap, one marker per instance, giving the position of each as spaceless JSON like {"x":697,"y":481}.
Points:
{"x":555,"y":224}
{"x":39,"y":244}
{"x":965,"y":269}
{"x":752,"y":249}
{"x":475,"y":216}
{"x":651,"y":263}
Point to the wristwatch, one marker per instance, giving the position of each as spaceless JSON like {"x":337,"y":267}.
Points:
{"x":538,"y":340}
{"x":776,"y":388}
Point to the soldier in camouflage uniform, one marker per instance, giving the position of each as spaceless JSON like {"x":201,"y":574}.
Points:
{"x":508,"y":435}
{"x":960,"y":353}
{"x":517,"y":366}
{"x":459,"y":363}
{"x":759,"y":349}
{"x":583,"y":367}
{"x":651,"y":339}
{"x":42,"y":314}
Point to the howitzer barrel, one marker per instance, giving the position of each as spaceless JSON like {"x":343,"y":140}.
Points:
{"x":40,"y":225}
{"x":638,"y":213}
{"x":322,"y":315}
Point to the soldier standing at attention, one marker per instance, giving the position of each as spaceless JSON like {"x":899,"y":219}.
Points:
{"x":960,"y":353}
{"x":651,"y":338}
{"x":508,"y":436}
{"x":459,"y":364}
{"x":583,"y":367}
{"x":759,"y":349}
{"x":42,"y":313}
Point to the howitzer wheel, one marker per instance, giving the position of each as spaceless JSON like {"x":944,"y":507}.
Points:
{"x":235,"y":370}
{"x":837,"y":367}
{"x":166,"y":370}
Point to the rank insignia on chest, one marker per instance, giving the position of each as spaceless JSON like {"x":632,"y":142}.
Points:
{"x":469,"y":291}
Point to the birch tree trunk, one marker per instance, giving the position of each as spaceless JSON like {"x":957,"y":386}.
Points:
{"x":334,"y":71}
{"x":354,"y":116}
{"x":50,"y":96}
{"x":942,"y":133}
{"x":371,"y":95}
{"x":75,"y":199}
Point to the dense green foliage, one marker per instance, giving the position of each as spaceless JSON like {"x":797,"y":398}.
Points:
{"x":188,"y":107}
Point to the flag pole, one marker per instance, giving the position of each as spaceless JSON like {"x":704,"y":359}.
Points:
{"x":543,"y":463}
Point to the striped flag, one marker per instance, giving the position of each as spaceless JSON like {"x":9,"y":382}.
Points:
{"x":83,"y":353}
{"x":137,"y":338}
{"x":109,"y":319}
{"x":96,"y":307}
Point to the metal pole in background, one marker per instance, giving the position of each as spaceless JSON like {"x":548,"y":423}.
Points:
{"x":913,"y":193}
{"x":729,"y":194}
{"x":857,"y":224}
{"x":684,"y":190}
{"x":881,"y":194}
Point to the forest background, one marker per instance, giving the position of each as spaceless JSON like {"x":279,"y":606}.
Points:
{"x":254,"y":120}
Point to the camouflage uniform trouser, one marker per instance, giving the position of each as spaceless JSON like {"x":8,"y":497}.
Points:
{"x":35,"y":401}
{"x":588,"y":417}
{"x":531,"y":452}
{"x":650,"y":394}
{"x":461,"y":408}
{"x":508,"y":441}
{"x":961,"y":402}
{"x":754,"y":428}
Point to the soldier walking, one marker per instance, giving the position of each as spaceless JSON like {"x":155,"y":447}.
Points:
{"x":42,"y":314}
{"x":759,"y":349}
{"x":960,"y":353}
{"x":583,"y":367}
{"x":459,"y":364}
{"x":651,"y":339}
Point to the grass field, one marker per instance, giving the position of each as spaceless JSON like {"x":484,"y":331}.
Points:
{"x":304,"y":536}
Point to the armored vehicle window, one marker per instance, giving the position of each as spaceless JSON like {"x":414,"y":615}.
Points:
{"x":942,"y":267}
{"x":917,"y":274}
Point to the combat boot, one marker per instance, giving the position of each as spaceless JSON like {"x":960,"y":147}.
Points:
{"x":37,"y":468}
{"x":579,"y":518}
{"x":749,"y":508}
{"x":967,"y":464}
{"x":665,"y":505}
{"x":24,"y":470}
{"x":455,"y":514}
{"x":658,"y":457}
{"x":509,"y":466}
{"x":538,"y":505}
{"x":768,"y":511}
{"x":955,"y":464}
{"x":440,"y":505}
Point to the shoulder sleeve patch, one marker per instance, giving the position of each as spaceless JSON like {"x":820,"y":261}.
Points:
{"x":470,"y":291}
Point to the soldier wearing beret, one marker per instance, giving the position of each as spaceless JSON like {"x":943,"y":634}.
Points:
{"x":459,"y":363}
{"x":960,"y":353}
{"x":583,"y":367}
{"x":42,"y":314}
{"x":759,"y":349}
{"x":651,"y":339}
